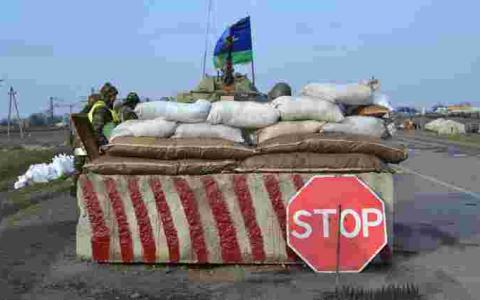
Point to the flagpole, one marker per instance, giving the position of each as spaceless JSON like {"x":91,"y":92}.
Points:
{"x":206,"y":38}
{"x":252,"y":64}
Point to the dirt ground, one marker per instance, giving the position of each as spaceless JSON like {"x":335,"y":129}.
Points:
{"x":437,"y":233}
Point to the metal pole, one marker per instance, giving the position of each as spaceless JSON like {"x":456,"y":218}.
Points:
{"x":9,"y":110}
{"x":337,"y":281}
{"x":253,"y":72}
{"x":20,"y":125}
{"x":206,"y":38}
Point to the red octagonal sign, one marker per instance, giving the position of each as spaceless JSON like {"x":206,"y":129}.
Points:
{"x":316,"y":233}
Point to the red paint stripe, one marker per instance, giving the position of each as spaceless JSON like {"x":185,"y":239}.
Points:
{"x":226,"y":230}
{"x":193,"y":217}
{"x":125,"y":237}
{"x":273,"y":188}
{"x":167,"y":221}
{"x":244,"y":199}
{"x":100,"y":233}
{"x":298,"y":181}
{"x":143,"y":221}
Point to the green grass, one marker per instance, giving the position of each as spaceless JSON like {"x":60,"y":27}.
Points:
{"x":463,"y":139}
{"x":15,"y":162}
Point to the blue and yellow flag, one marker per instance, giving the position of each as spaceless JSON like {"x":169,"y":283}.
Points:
{"x":242,"y":44}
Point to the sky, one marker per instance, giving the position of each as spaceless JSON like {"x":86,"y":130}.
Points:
{"x":423,"y":51}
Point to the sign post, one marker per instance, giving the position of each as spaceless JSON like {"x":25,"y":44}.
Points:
{"x":336,"y":224}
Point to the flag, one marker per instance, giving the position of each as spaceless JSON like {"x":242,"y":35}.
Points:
{"x":242,"y":44}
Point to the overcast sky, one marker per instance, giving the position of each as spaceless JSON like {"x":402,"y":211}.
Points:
{"x":423,"y":51}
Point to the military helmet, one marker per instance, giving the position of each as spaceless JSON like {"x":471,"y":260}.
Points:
{"x":108,"y":89}
{"x":132,"y":98}
{"x":279,"y":89}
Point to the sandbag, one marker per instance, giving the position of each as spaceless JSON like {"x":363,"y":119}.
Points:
{"x":205,"y":130}
{"x":111,"y":165}
{"x":387,"y":151}
{"x":185,"y":148}
{"x":287,"y":128}
{"x":350,"y":94}
{"x":368,"y":126}
{"x":445,"y":127}
{"x":245,"y":114}
{"x":311,"y":162}
{"x":156,"y":128}
{"x":372,"y":111}
{"x":307,"y":108}
{"x":174,"y":111}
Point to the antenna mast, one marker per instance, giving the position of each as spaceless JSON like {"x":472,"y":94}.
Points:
{"x":206,"y":38}
{"x":13,"y":99}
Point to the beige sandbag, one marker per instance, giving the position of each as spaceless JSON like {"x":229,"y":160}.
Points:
{"x":185,"y":148}
{"x":311,"y":162}
{"x":287,"y":128}
{"x":110,"y":165}
{"x":388,"y":151}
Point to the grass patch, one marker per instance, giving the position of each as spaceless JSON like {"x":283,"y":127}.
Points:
{"x":14,"y":161}
{"x":465,"y":139}
{"x":24,"y":198}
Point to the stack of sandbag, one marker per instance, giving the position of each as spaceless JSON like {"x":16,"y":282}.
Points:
{"x":445,"y":127}
{"x":360,"y":104}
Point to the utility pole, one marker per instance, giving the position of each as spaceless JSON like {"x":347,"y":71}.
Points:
{"x":51,"y":110}
{"x":13,"y":99}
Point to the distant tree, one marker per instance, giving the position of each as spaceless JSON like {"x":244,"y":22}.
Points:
{"x":3,"y":122}
{"x":38,"y":119}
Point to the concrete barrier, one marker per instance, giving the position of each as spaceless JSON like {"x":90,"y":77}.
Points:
{"x":219,"y":219}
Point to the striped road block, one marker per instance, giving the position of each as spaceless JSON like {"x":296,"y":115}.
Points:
{"x":215,"y":219}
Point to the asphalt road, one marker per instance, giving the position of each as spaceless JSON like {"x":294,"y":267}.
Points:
{"x":437,"y":237}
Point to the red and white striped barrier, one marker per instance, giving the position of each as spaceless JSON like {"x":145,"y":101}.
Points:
{"x":217,"y":219}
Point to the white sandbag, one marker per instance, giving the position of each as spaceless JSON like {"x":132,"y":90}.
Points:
{"x":205,"y":130}
{"x":443,"y":126}
{"x":174,"y":111}
{"x":63,"y":165}
{"x":350,"y":94}
{"x":359,"y":125}
{"x":156,"y":128}
{"x":287,"y":128}
{"x":307,"y":108}
{"x":244,"y":114}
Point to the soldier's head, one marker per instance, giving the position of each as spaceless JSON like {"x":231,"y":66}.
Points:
{"x":279,"y":89}
{"x":132,"y":100}
{"x":109,"y":93}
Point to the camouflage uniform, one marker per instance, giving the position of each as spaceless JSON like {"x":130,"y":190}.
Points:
{"x":103,"y":115}
{"x":126,"y":110}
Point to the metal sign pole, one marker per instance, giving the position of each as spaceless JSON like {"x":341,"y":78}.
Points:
{"x":337,"y":281}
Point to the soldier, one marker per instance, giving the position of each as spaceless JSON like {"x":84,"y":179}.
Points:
{"x":102,"y":116}
{"x":280,"y":89}
{"x":126,"y":110}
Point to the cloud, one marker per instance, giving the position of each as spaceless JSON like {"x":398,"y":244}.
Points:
{"x":335,"y":25}
{"x":187,"y":28}
{"x":19,"y":48}
{"x":303,"y":28}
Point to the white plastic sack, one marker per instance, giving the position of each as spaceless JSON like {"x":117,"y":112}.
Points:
{"x":205,"y":130}
{"x":245,"y":114}
{"x":42,"y":173}
{"x":307,"y":108}
{"x":63,"y":165}
{"x":174,"y":111}
{"x":443,"y":126}
{"x":359,"y":125}
{"x":350,"y":94}
{"x":156,"y":128}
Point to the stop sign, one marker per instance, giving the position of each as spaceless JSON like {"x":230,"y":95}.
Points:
{"x":316,"y":233}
